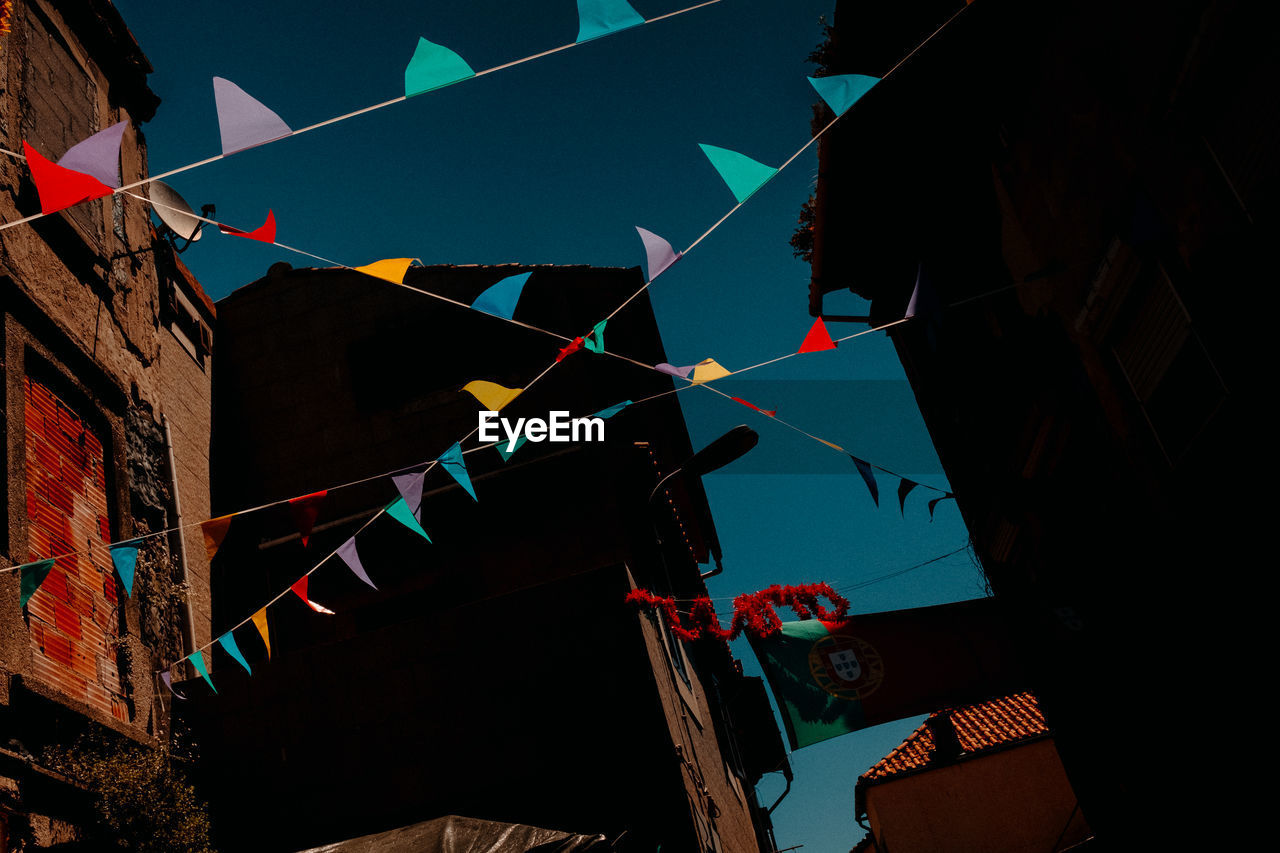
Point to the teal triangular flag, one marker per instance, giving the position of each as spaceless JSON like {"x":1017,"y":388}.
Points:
{"x":500,"y":299}
{"x":601,"y":17}
{"x":595,"y":340}
{"x":612,"y":410}
{"x":506,"y":454}
{"x":399,"y":510}
{"x":197,"y":661}
{"x":33,"y":574}
{"x":228,"y":643}
{"x":451,"y":460}
{"x":433,"y":67}
{"x":743,"y":175}
{"x":125,"y":557}
{"x":843,"y":90}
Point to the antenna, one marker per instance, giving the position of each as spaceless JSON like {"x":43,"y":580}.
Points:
{"x":175,"y":213}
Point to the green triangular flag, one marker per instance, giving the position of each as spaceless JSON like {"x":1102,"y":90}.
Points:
{"x":197,"y":661}
{"x":33,"y":574}
{"x":743,"y":175}
{"x":433,"y":66}
{"x":399,"y":510}
{"x":595,"y":340}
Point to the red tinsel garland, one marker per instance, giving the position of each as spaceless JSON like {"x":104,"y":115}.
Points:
{"x":752,"y":611}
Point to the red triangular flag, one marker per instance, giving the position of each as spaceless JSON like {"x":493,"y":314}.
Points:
{"x":304,"y":510}
{"x":574,"y":346}
{"x":266,"y":232}
{"x":818,"y":339}
{"x":300,"y":589}
{"x":773,"y":413}
{"x":59,"y":187}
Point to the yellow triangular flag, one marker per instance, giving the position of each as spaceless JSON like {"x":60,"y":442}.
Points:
{"x":706,"y":370}
{"x":829,"y":444}
{"x":490,"y":394}
{"x":392,"y":269}
{"x":215,"y":530}
{"x":260,"y":622}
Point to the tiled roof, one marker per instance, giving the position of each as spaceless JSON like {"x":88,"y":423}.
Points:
{"x":982,"y":726}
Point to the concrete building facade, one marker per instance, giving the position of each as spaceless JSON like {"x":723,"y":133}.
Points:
{"x":105,"y":417}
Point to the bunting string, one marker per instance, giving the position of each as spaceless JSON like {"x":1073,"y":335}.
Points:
{"x":354,"y":113}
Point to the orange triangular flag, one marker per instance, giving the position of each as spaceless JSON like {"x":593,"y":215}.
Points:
{"x":215,"y":530}
{"x":58,"y":186}
{"x":304,"y":510}
{"x":392,"y":269}
{"x":260,"y":622}
{"x":818,"y":339}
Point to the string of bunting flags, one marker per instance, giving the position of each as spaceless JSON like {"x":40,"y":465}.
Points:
{"x":89,"y":169}
{"x":743,"y":176}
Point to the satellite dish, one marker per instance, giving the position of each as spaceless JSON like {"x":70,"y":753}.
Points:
{"x":174,"y":211}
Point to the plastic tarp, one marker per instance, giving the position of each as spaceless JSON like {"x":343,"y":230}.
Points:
{"x":454,"y":834}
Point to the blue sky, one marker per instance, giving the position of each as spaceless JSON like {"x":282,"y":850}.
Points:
{"x":555,"y":161}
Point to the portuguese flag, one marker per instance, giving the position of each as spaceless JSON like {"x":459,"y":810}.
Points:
{"x":831,"y":678}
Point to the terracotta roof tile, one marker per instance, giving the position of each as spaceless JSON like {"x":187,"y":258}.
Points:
{"x":979,"y":727}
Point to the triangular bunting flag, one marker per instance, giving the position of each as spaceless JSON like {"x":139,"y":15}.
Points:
{"x":707,"y":370}
{"x":501,"y":298}
{"x":260,"y":622}
{"x":433,"y":66}
{"x":933,"y":504}
{"x":33,"y":574}
{"x":350,"y":556}
{"x":265,"y":233}
{"x":868,"y":477}
{"x":595,"y":340}
{"x":568,"y":350}
{"x":612,"y":410}
{"x":228,"y":643}
{"x":98,"y":156}
{"x":829,"y":444}
{"x":904,"y":489}
{"x":773,"y":413}
{"x":682,"y":372}
{"x":304,"y":510}
{"x":743,"y":175}
{"x":842,"y":91}
{"x":167,"y":678}
{"x":392,"y":269}
{"x":124,"y":555}
{"x":410,"y":488}
{"x":299,"y":588}
{"x":601,"y":17}
{"x":914,"y":302}
{"x":506,"y":454}
{"x":400,"y":511}
{"x":197,"y":663}
{"x":215,"y":530}
{"x":451,"y":460}
{"x":60,"y":188}
{"x":243,"y":122}
{"x":490,"y":394}
{"x":818,"y":338}
{"x":658,"y":254}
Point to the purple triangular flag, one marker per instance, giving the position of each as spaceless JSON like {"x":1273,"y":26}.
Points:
{"x":99,"y":155}
{"x":658,"y":253}
{"x":868,"y":477}
{"x":349,"y":556}
{"x":672,"y":370}
{"x":167,"y":678}
{"x":243,"y":121}
{"x":904,"y":489}
{"x":410,"y":487}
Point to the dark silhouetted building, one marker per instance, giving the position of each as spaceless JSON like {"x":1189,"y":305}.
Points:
{"x":1085,"y":194}
{"x":496,"y":672}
